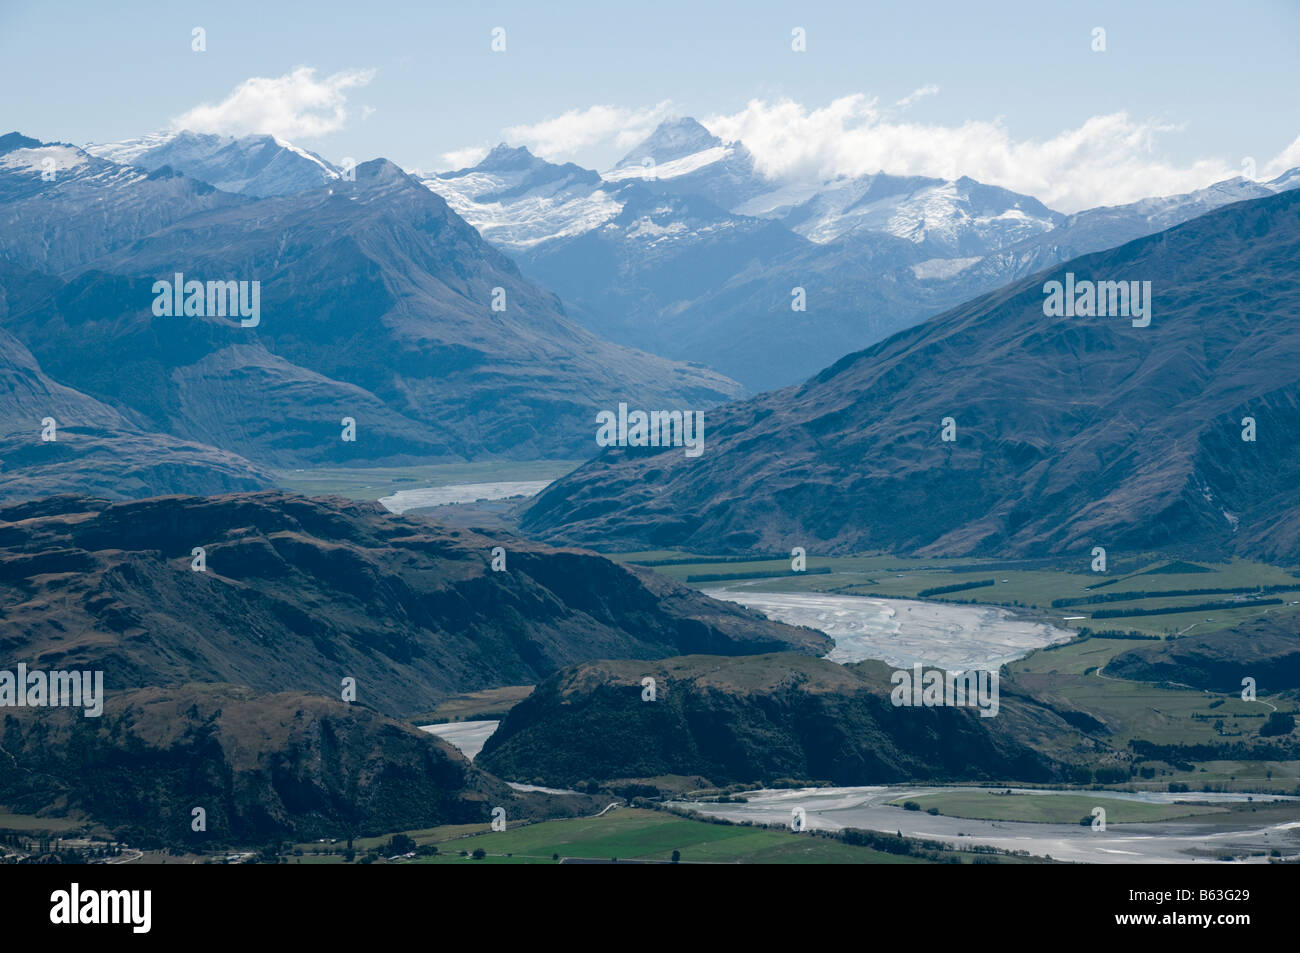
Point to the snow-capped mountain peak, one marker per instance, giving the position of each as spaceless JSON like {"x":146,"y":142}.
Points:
{"x":43,"y":158}
{"x":128,"y":151}
{"x":29,"y":167}
{"x":517,"y":200}
{"x":259,"y":165}
{"x":1285,"y":182}
{"x":672,"y":140}
{"x":504,"y":158}
{"x":959,"y":217}
{"x":682,"y":157}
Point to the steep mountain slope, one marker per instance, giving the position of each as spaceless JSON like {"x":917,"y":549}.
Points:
{"x":27,"y":395}
{"x":1070,"y":432}
{"x":759,"y":719}
{"x":257,"y":165}
{"x":94,"y":447}
{"x":299,"y":594}
{"x":235,"y":395}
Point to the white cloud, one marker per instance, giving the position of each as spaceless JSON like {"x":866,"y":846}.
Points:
{"x":1285,"y":161}
{"x":559,"y":138}
{"x":927,"y":90}
{"x":1107,"y":160}
{"x":296,"y":105}
{"x":463,"y":158}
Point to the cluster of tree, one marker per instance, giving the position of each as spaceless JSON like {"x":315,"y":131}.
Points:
{"x":712,"y":560}
{"x":1104,"y":774}
{"x":914,"y":806}
{"x":1227,"y":751}
{"x":1164,"y":593}
{"x":633,"y":790}
{"x":1131,"y":634}
{"x":896,"y":844}
{"x":1200,"y":607}
{"x":958,"y":587}
{"x":1278,"y":723}
{"x":726,"y":576}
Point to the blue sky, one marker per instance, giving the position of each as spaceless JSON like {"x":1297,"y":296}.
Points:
{"x":1182,"y":94}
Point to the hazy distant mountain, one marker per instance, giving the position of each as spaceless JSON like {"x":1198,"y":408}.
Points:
{"x":672,"y":141}
{"x":656,"y":263}
{"x":1070,"y":432}
{"x":622,"y":255}
{"x":639,"y":279}
{"x":679,"y":276}
{"x":254,"y":165}
{"x":945,"y":219}
{"x":685,"y":249}
{"x":516,"y":200}
{"x":1108,"y":226}
{"x":681,"y":157}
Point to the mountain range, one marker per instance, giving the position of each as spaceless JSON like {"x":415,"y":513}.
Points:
{"x":995,"y":428}
{"x":258,"y":165}
{"x":931,"y":404}
{"x":687,"y":250}
{"x":377,"y":303}
{"x":379,"y":306}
